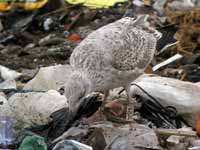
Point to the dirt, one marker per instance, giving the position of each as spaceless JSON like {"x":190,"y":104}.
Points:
{"x":20,"y":50}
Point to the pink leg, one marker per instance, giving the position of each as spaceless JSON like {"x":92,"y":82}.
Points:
{"x":130,"y":106}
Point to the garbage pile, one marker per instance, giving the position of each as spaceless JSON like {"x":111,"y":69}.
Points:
{"x":37,"y":39}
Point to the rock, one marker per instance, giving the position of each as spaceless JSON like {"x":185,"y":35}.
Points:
{"x":46,"y":38}
{"x":30,"y":45}
{"x":47,"y":78}
{"x":35,"y":108}
{"x":51,"y":39}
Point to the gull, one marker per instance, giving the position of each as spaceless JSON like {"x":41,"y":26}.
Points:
{"x":110,"y":57}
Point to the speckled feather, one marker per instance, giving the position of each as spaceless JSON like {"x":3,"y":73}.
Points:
{"x":110,"y":57}
{"x":117,"y":53}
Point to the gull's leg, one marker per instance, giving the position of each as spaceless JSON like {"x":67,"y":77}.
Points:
{"x":106,"y":96}
{"x":130,"y":106}
{"x":106,"y":93}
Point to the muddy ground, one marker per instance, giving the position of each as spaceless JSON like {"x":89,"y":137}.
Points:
{"x":22,"y":49}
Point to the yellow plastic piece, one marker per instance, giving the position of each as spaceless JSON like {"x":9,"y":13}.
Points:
{"x":147,"y":2}
{"x":33,"y":5}
{"x":4,"y":6}
{"x":96,"y":3}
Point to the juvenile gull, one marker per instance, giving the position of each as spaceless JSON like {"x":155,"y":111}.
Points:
{"x":111,"y":57}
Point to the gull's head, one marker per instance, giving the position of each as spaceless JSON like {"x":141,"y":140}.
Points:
{"x":81,"y":99}
{"x":76,"y":88}
{"x":140,"y":23}
{"x":141,"y":20}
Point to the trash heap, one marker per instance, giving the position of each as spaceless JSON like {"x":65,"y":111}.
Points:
{"x":36,"y":41}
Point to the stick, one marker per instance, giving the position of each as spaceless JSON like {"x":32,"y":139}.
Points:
{"x":169,"y":132}
{"x":168,"y":61}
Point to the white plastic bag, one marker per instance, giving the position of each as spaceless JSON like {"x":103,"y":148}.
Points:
{"x":184,"y":96}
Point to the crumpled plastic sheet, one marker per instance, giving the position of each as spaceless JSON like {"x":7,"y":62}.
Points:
{"x":182,"y":95}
